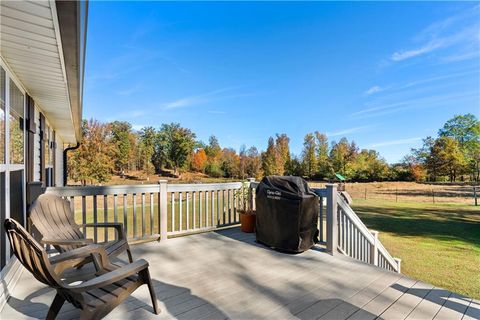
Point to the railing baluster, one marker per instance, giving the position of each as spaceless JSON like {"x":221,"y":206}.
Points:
{"x":187,"y":210}
{"x":206,"y":209}
{"x":125,"y":214}
{"x":115,"y":213}
{"x":105,"y":217}
{"x":212,"y":208}
{"x":173,"y":211}
{"x":143,"y":215}
{"x":194,"y":209}
{"x":200,"y":213}
{"x":228,"y":207}
{"x":151,"y":213}
{"x":223,"y":207}
{"x":180,"y":216}
{"x":134,"y":196}
{"x":84,"y":214}
{"x":218,"y":207}
{"x":95,"y":219}
{"x":234,"y":199}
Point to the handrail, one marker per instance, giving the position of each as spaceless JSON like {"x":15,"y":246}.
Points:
{"x":355,"y":219}
{"x":163,"y":210}
{"x":157,"y":211}
{"x":358,"y":251}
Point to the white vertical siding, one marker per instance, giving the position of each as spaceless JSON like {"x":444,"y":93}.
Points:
{"x":59,"y":162}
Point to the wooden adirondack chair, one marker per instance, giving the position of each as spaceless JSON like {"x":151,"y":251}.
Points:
{"x":53,"y":217}
{"x":95,"y":297}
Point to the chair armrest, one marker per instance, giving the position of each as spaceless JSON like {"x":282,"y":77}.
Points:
{"x":67,"y":242}
{"x":110,"y":277}
{"x":116,"y":225}
{"x":79,"y":253}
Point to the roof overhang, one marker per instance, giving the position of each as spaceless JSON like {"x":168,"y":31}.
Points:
{"x":43,"y":44}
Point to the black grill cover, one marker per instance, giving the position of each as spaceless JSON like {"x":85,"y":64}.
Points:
{"x":287,"y":214}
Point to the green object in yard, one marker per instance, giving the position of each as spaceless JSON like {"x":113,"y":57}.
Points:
{"x":340,"y":177}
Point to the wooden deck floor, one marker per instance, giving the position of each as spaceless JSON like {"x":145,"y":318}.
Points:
{"x":225,"y":274}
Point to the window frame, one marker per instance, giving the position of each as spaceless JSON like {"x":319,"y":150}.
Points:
{"x":7,"y":167}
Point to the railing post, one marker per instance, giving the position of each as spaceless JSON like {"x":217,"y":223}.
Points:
{"x":399,"y":264}
{"x":374,"y":249}
{"x":250,"y":193}
{"x":332,"y":220}
{"x":163,"y":208}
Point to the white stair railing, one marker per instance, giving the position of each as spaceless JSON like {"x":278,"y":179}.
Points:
{"x":347,"y":234}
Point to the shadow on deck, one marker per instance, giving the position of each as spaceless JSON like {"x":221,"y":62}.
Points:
{"x":226,"y":274}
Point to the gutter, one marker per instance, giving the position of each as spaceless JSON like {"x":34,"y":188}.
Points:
{"x":65,"y":162}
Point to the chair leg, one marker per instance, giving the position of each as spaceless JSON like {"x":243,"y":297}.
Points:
{"x":55,"y":307}
{"x":153,"y":296}
{"x":129,"y":253}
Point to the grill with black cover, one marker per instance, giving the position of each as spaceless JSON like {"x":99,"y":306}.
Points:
{"x":287,"y":214}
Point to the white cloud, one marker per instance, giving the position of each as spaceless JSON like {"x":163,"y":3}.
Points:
{"x":415,"y":103}
{"x":393,"y":142}
{"x":403,"y":55}
{"x":198,"y":99}
{"x":346,"y":131}
{"x":220,"y":94}
{"x":372,"y":90}
{"x":438,"y":35}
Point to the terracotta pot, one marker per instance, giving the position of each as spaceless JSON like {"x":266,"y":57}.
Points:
{"x":247,"y":221}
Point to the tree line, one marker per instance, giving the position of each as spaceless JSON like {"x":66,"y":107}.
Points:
{"x":114,"y":148}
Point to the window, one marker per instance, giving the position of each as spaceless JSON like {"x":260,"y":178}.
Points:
{"x":2,"y":115}
{"x":16,"y":143}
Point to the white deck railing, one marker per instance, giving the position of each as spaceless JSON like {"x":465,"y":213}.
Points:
{"x":159,"y":211}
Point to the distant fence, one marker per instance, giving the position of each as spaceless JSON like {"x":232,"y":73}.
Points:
{"x":430,"y":193}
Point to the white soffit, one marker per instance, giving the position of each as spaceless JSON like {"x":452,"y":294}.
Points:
{"x":31,"y":46}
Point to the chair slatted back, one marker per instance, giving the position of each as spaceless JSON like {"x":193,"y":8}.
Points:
{"x":30,"y":253}
{"x":53,"y":218}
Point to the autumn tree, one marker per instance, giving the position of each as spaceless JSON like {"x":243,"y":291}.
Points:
{"x":93,"y":161}
{"x":465,"y":129}
{"x":199,"y":160}
{"x":178,"y":143}
{"x":324,"y":167}
{"x":283,"y":153}
{"x":342,"y":156}
{"x":447,"y":155}
{"x":253,"y":165}
{"x":270,"y":159}
{"x":147,"y":147}
{"x":230,"y":163}
{"x":121,"y":131}
{"x":309,"y":155}
{"x":214,"y":152}
{"x":369,"y":166}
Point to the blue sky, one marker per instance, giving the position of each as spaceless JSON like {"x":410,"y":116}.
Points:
{"x":384,"y":74}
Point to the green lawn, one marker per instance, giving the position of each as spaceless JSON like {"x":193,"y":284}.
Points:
{"x":144,"y":221}
{"x":438,"y":244}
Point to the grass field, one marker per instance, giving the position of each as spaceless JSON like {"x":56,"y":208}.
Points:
{"x":438,"y":243}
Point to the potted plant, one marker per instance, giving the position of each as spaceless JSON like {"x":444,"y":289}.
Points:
{"x":247,"y":214}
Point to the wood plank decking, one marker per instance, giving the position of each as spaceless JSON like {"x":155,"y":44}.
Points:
{"x":225,"y":274}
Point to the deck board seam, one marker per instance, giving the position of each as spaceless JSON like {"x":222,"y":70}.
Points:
{"x":415,"y":307}
{"x":443,"y":304}
{"x":385,"y":310}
